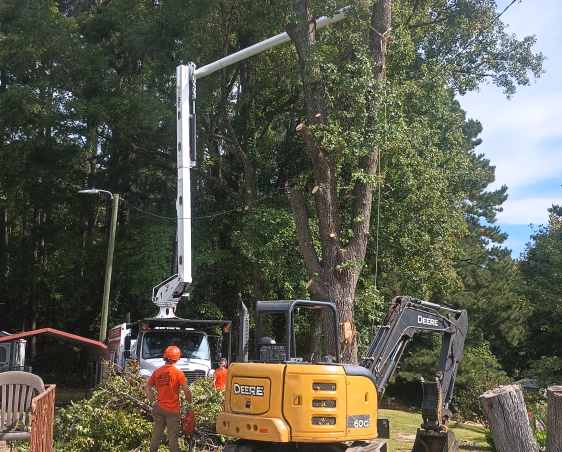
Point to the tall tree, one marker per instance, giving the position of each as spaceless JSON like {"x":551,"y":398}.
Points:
{"x":441,"y":48}
{"x":542,"y":271}
{"x":491,"y":284}
{"x":335,"y":272}
{"x":39,"y":154}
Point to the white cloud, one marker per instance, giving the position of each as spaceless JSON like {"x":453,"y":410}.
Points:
{"x":521,"y":136}
{"x":526,"y":211}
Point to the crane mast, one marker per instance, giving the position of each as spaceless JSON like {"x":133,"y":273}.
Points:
{"x":167,"y":294}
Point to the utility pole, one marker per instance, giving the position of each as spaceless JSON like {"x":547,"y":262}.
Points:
{"x":108,"y":268}
{"x":109,"y":263}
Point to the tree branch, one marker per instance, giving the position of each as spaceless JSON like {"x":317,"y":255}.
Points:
{"x":361,"y":209}
{"x":304,"y":235}
{"x":247,"y":167}
{"x":220,"y":184}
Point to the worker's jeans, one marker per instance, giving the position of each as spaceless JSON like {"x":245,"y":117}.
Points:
{"x":163,"y":419}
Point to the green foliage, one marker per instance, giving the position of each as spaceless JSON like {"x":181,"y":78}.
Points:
{"x":542,"y":272}
{"x":107,"y":420}
{"x":268,"y":241}
{"x":479,"y":371}
{"x":491,"y":284}
{"x":490,"y":440}
{"x":113,"y":418}
{"x":87,"y":96}
{"x":369,"y":309}
{"x":546,"y":370}
{"x":537,"y":410}
{"x":540,"y":435}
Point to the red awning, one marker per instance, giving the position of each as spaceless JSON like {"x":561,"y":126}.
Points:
{"x":97,"y":347}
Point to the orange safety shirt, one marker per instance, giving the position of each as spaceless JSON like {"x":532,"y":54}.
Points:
{"x":220,"y":378}
{"x":168,"y":379}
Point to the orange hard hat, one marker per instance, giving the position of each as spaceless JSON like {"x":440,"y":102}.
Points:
{"x":172,"y":352}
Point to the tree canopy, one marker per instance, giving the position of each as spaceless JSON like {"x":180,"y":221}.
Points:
{"x":338,"y":166}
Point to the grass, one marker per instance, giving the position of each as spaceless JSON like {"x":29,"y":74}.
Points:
{"x":404,"y":424}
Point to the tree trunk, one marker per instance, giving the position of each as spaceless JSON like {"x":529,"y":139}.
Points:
{"x":506,"y":413}
{"x":554,"y":425}
{"x":334,"y":269}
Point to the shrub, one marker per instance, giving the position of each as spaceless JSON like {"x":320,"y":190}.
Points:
{"x":479,"y":371}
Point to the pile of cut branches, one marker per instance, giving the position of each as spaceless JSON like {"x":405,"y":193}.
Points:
{"x":117,"y":417}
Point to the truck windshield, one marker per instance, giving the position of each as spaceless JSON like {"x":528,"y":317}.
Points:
{"x":192,"y":345}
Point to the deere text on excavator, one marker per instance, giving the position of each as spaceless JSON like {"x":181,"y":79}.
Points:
{"x":296,"y":394}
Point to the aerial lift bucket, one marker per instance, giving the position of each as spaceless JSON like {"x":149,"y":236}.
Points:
{"x":432,"y":441}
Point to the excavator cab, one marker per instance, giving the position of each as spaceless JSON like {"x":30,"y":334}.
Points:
{"x":299,"y":331}
{"x":295,"y":394}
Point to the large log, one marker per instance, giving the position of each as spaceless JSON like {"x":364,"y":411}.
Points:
{"x":554,"y":423}
{"x":506,"y":412}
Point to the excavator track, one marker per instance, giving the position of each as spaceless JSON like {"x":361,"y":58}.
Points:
{"x":374,"y":445}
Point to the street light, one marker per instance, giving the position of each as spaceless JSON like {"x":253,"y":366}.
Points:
{"x":109,"y":263}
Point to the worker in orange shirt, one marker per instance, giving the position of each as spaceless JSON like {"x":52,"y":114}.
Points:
{"x":166,"y":411}
{"x":220,"y":375}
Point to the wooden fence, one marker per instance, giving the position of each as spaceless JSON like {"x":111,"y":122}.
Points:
{"x":42,"y":421}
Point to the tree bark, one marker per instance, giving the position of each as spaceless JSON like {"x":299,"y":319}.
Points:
{"x":506,"y":412}
{"x":554,"y":425}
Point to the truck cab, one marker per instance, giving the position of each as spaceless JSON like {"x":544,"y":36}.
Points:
{"x":146,"y":340}
{"x":195,"y":361}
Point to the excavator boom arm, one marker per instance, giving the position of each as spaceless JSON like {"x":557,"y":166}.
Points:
{"x":405,"y":316}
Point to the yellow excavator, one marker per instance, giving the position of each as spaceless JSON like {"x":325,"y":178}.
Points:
{"x":297,"y":395}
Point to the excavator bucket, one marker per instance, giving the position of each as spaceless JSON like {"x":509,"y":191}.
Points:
{"x":431,"y":441}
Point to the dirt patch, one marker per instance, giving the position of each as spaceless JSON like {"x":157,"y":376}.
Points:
{"x":406,"y":437}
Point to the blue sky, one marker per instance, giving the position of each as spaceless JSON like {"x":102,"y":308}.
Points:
{"x":522,"y":136}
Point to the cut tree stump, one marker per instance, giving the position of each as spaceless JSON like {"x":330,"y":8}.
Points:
{"x":554,"y":423}
{"x":506,"y":412}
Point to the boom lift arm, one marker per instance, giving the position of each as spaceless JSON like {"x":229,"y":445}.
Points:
{"x":405,"y":316}
{"x":167,"y":294}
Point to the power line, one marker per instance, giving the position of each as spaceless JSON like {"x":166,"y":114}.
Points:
{"x":485,"y":29}
{"x":225,"y":212}
{"x":218,"y":214}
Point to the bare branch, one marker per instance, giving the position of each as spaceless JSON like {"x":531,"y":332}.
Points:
{"x":304,"y":235}
{"x":361,"y":208}
{"x":219,"y":183}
